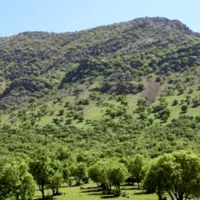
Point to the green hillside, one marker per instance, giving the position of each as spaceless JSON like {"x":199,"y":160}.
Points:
{"x":109,"y":112}
{"x":103,"y":88}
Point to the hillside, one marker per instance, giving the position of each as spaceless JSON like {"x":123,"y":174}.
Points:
{"x":35,"y":64}
{"x":97,"y":90}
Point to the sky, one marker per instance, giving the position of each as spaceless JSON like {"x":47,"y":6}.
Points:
{"x":18,"y":16}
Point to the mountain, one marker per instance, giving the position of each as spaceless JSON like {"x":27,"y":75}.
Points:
{"x":33,"y":64}
{"x":135,"y":81}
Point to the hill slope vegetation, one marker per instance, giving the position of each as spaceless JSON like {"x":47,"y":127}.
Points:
{"x":122,"y":89}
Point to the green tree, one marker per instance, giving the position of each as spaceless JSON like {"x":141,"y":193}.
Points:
{"x":163,"y":115}
{"x":136,"y":168}
{"x":177,"y":174}
{"x":99,"y":172}
{"x":117,"y":174}
{"x":66,"y":173}
{"x":40,"y":167}
{"x":184,"y":108}
{"x":16,"y":181}
{"x":175,"y":102}
{"x":55,"y":182}
{"x":79,"y":172}
{"x":7,"y":178}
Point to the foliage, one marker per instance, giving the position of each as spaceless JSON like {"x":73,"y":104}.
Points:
{"x":117,"y":174}
{"x":136,"y":168}
{"x":79,"y":171}
{"x":15,"y":180}
{"x":176,"y":174}
{"x":41,"y":169}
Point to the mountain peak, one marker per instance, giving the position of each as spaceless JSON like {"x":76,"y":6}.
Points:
{"x":164,"y":22}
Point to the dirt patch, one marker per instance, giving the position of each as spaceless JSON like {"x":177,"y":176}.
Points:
{"x":151,"y":90}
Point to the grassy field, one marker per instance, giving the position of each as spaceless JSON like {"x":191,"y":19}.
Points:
{"x":75,"y":193}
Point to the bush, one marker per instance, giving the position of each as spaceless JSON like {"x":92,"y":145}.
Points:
{"x":158,"y":79}
{"x":175,"y":102}
{"x":184,"y":108}
{"x":68,"y":121}
{"x":61,"y":112}
{"x":83,"y":102}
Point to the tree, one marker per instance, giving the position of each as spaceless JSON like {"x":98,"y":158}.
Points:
{"x":175,"y":102}
{"x":196,"y":101}
{"x":16,"y":181}
{"x":140,"y":86}
{"x":117,"y":174}
{"x":66,"y":173}
{"x":79,"y":172}
{"x":177,"y":174}
{"x":61,"y":112}
{"x":7,"y":178}
{"x":161,"y":111}
{"x":27,"y":187}
{"x":163,"y":115}
{"x":55,"y":175}
{"x":99,"y":172}
{"x":136,"y":168}
{"x":40,"y":167}
{"x":62,"y":154}
{"x":56,"y":181}
{"x":142,"y":105}
{"x":184,"y":108}
{"x":197,"y":119}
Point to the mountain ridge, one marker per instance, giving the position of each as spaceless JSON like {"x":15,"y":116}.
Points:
{"x":161,"y":19}
{"x":35,"y":56}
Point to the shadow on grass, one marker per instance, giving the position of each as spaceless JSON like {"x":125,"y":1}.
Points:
{"x":108,"y":197}
{"x":130,"y":188}
{"x":141,"y":193}
{"x":95,"y":194}
{"x":89,"y":191}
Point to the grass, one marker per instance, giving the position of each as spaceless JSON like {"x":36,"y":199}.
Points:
{"x":75,"y":193}
{"x":94,"y":112}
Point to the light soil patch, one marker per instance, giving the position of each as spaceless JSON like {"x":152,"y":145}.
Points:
{"x":151,"y":90}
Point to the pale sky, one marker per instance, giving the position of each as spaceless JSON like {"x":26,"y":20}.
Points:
{"x":72,"y":15}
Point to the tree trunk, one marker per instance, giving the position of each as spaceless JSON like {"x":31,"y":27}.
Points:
{"x":17,"y":196}
{"x":160,"y":194}
{"x":69,"y":183}
{"x":110,"y":185}
{"x":53,"y":191}
{"x":180,"y":197}
{"x":78,"y":180}
{"x":118,"y":191}
{"x":57,"y":191}
{"x":42,"y":191}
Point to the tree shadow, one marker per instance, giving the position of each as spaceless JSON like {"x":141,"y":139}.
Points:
{"x":108,"y":197}
{"x":95,"y":194}
{"x":128,"y":184}
{"x":141,"y":193}
{"x":130,"y":188}
{"x":90,"y":191}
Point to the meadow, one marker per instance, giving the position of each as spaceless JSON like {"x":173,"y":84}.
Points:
{"x":76,"y":193}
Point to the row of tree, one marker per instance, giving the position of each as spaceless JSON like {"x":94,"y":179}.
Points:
{"x":175,"y":175}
